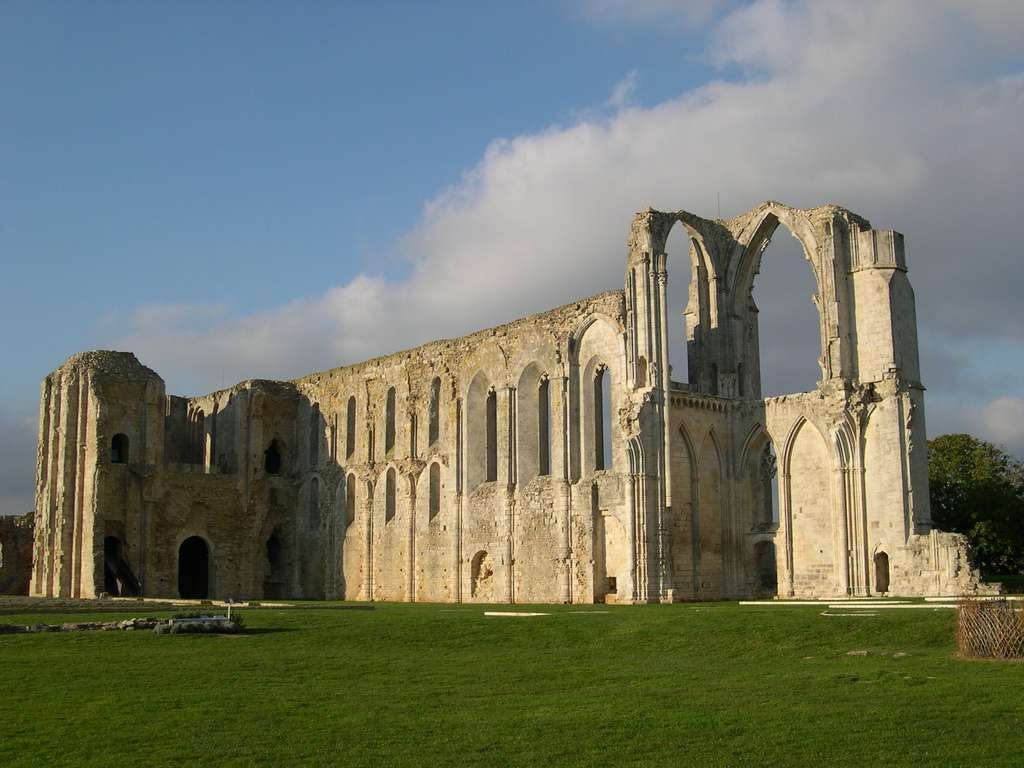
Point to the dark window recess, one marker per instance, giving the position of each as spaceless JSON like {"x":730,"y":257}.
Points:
{"x":350,"y":428}
{"x":272,"y":459}
{"x":602,"y":421}
{"x":389,"y":496}
{"x":435,"y":411}
{"x":434,"y":505}
{"x":492,"y":436}
{"x":119,"y":449}
{"x":544,"y":428}
{"x":389,"y":422}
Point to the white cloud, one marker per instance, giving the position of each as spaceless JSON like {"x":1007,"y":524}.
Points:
{"x":1003,"y":419}
{"x":622,"y":94}
{"x":904,"y":112}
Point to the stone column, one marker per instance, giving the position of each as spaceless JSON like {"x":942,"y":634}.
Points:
{"x":842,"y":539}
{"x":566,"y":542}
{"x":411,"y":578}
{"x":631,"y":531}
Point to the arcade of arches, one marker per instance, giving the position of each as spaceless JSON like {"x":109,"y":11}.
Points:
{"x":557,"y":458}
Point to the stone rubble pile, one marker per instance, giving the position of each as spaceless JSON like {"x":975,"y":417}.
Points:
{"x":194,"y":624}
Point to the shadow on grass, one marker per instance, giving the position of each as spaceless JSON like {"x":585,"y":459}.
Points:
{"x":262,"y":631}
{"x":314,"y":606}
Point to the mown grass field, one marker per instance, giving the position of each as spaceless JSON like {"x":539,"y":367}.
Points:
{"x":426,"y":685}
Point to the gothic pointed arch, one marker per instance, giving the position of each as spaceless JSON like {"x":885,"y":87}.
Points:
{"x":481,"y":431}
{"x":533,"y":424}
{"x":708,"y":523}
{"x":808,"y":463}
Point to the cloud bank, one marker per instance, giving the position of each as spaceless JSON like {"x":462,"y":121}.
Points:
{"x":908,"y":113}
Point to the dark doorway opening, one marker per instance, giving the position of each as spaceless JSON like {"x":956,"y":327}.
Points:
{"x":764,"y":564}
{"x":272,"y":459}
{"x":275,"y":581}
{"x":881,"y":573}
{"x":194,"y":569}
{"x":118,"y":579}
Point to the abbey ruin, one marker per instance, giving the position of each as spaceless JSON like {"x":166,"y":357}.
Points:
{"x":551,"y":459}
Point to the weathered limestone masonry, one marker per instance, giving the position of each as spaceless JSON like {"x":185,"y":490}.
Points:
{"x":552,"y":459}
{"x":15,"y":554}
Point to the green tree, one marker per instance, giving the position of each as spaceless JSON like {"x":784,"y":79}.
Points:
{"x":977,"y":489}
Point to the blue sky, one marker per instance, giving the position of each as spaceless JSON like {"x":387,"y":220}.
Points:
{"x":243,"y":189}
{"x":232,"y":153}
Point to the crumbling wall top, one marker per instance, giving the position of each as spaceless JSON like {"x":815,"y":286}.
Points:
{"x":122,"y":365}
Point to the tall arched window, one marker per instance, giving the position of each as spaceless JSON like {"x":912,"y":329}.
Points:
{"x":389,"y":422}
{"x":315,"y":431}
{"x":788,"y":332}
{"x":492,"y":436}
{"x":434,"y":500}
{"x":350,"y":500}
{"x":350,"y":428}
{"x":544,"y":428}
{"x":435,"y":411}
{"x":314,"y":503}
{"x":474,"y":433}
{"x":389,"y":495}
{"x":119,"y":449}
{"x":413,"y":430}
{"x":681,"y":309}
{"x":602,"y":420}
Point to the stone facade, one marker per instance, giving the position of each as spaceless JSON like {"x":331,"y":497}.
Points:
{"x":551,"y":459}
{"x":15,"y":554}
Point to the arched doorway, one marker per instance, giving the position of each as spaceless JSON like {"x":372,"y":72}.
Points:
{"x":194,"y":569}
{"x":275,"y":581}
{"x":767,"y":583}
{"x":881,"y":573}
{"x":481,"y":585}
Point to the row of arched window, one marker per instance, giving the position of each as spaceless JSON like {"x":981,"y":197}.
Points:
{"x":390,"y":415}
{"x":530,"y":427}
{"x":390,"y":495}
{"x":538,"y":433}
{"x":533,"y":430}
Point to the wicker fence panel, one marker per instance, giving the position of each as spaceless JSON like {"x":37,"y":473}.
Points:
{"x":991,"y":629}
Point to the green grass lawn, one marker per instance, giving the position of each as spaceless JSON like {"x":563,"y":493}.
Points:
{"x":425,"y":685}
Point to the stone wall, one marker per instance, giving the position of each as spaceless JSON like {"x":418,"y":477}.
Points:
{"x":16,"y":554}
